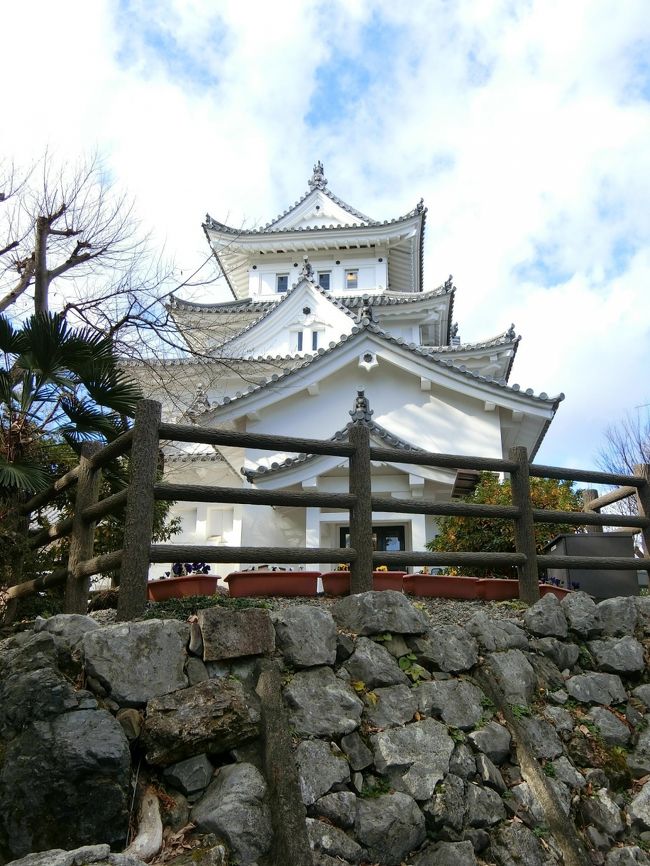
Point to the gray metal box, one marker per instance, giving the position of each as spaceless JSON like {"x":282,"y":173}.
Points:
{"x":601,"y":583}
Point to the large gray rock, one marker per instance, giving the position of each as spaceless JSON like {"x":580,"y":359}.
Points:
{"x":390,"y":827}
{"x":613,"y":731}
{"x":514,"y":674}
{"x":229,"y":634}
{"x":496,"y":635}
{"x":639,"y":758}
{"x":137,"y":661}
{"x":618,"y":616}
{"x":68,"y":628}
{"x":462,"y":762}
{"x":528,"y":803}
{"x":602,"y":811}
{"x":561,"y":719}
{"x":514,"y":844}
{"x":493,"y":740}
{"x":543,"y":738}
{"x":489,"y":774}
{"x":561,"y":653}
{"x":190,"y":775}
{"x":446,"y":854}
{"x":446,"y":648}
{"x":377,"y":612}
{"x":566,"y":773}
{"x":546,"y":618}
{"x":340,"y":808}
{"x":27,"y":652}
{"x":484,"y":806}
{"x":234,"y":807}
{"x":618,"y":655}
{"x":394,"y":705}
{"x":306,"y":635}
{"x":582,"y":614}
{"x":211,"y":717}
{"x":415,"y":757}
{"x":330,"y":840}
{"x":643,"y":613}
{"x":639,"y":808}
{"x":374,"y":666}
{"x":97,"y":855}
{"x":320,"y":767}
{"x":447,"y":806}
{"x":629,"y":855}
{"x":38,"y":694}
{"x":596,"y":688}
{"x":358,"y":754}
{"x":643,"y":694}
{"x":322,"y":705}
{"x":457,"y":702}
{"x":53,"y":776}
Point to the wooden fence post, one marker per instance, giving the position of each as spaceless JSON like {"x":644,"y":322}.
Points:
{"x":138,"y":521}
{"x":361,"y":514}
{"x":643,"y":498}
{"x":524,"y":526}
{"x":587,"y":497}
{"x":82,"y":536}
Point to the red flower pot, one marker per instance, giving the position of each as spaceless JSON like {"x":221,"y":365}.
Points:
{"x":559,"y":591}
{"x":497,"y":588}
{"x":441,"y":585}
{"x":262,"y":583}
{"x":180,"y":587}
{"x":338,"y":582}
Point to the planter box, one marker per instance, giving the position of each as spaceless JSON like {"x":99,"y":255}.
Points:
{"x":181,"y":587}
{"x":277,"y":583}
{"x":497,"y":588}
{"x":559,"y":591}
{"x":338,"y":582}
{"x":441,"y":585}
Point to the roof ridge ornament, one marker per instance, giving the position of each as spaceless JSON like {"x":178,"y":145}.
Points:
{"x":449,"y":282}
{"x":361,"y":410}
{"x":510,"y":333}
{"x":307,"y":271}
{"x":318,"y":179}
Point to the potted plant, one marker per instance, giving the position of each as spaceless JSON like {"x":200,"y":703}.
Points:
{"x":268,"y":582}
{"x":338,"y":582}
{"x":184,"y":579}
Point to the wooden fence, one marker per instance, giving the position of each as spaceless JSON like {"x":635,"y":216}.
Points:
{"x":142,"y":443}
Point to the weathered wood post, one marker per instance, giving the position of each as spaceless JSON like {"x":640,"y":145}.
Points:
{"x":524,"y":526}
{"x":643,"y":499}
{"x":587,"y":497}
{"x":82,"y":537}
{"x":360,"y":486}
{"x":138,"y":522}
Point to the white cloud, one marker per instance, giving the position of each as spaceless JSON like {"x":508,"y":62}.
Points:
{"x":523,"y":124}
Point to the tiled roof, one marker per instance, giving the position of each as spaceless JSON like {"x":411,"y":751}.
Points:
{"x":303,"y":361}
{"x":352,"y":211}
{"x":340,"y":436}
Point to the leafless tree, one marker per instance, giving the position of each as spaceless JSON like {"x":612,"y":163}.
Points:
{"x":627,"y":444}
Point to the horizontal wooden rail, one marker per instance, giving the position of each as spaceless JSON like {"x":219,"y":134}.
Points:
{"x":246,"y":496}
{"x":211,"y":553}
{"x":455,"y":509}
{"x":446,"y":461}
{"x":588,"y":518}
{"x":562,"y":474}
{"x":114,"y":449}
{"x":611,"y":497}
{"x":263,"y":441}
{"x":607,"y":563}
{"x":29,"y":587}
{"x":52,"y":491}
{"x":98,"y":565}
{"x":47,"y":536}
{"x":464,"y":558}
{"x":105,"y":506}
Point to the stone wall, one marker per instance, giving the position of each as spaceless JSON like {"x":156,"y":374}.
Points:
{"x":359,"y":733}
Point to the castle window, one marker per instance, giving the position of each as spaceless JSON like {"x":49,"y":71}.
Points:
{"x":299,"y":341}
{"x":352,"y":279}
{"x":324,"y":280}
{"x":282,"y":282}
{"x":429,"y":335}
{"x":314,"y":340}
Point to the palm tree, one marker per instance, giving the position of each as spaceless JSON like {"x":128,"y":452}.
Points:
{"x":59,"y":387}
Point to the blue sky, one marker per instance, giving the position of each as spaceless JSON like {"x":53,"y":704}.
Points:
{"x":524,"y":125}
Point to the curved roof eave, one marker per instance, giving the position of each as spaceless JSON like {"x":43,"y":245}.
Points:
{"x":309,"y":360}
